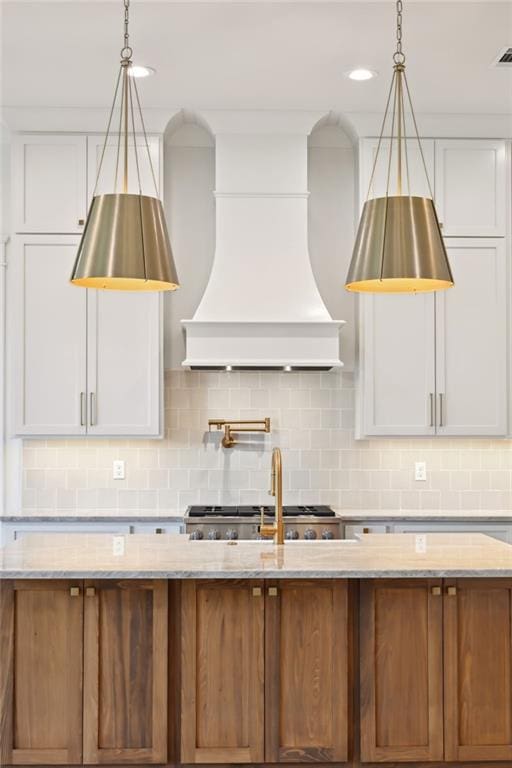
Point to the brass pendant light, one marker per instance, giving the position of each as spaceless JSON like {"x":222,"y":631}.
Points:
{"x":399,"y":247}
{"x":125,"y":245}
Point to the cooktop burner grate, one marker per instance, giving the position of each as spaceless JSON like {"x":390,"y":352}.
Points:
{"x":320,"y":510}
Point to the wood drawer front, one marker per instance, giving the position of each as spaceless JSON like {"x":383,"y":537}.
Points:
{"x":222,"y":696}
{"x":306,"y":671}
{"x":125,"y":672}
{"x":478,"y":668}
{"x":401,"y":670}
{"x":41,"y":672}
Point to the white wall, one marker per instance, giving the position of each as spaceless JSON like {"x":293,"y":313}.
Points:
{"x":189,"y":182}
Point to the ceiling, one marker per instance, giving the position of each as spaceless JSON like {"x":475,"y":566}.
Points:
{"x":258,"y":55}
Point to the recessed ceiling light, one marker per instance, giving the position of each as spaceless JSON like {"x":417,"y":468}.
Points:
{"x":139,"y":70}
{"x":361,"y":74}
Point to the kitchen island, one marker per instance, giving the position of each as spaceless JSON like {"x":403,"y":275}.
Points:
{"x":148,"y":649}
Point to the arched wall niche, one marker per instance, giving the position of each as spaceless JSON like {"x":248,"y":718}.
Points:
{"x":189,"y":182}
{"x":332,"y":212}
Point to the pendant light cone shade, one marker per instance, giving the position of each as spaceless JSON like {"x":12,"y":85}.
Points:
{"x":125,"y":246}
{"x":399,"y":248}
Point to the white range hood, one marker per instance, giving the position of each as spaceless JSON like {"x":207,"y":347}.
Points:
{"x":261,"y":307}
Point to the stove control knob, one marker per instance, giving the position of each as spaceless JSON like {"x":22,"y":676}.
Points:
{"x":196,"y":535}
{"x":309,"y":533}
{"x":213,"y":534}
{"x":327,"y":534}
{"x":231,"y":534}
{"x":291,"y":535}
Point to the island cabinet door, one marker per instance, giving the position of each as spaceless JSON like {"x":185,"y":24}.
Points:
{"x":306,"y":671}
{"x":40,"y":672}
{"x":222,"y":672}
{"x":125,"y":672}
{"x":401,"y":672}
{"x":478,"y":670}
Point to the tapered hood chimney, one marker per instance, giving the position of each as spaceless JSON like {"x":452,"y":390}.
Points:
{"x":262,"y":307}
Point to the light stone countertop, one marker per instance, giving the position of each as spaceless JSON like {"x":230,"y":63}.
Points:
{"x":173,"y":516}
{"x":420,"y":515}
{"x":84,"y":556}
{"x":92,"y":516}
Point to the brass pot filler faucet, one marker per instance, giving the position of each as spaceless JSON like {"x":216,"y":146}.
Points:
{"x":237,"y":425}
{"x":267,"y":530}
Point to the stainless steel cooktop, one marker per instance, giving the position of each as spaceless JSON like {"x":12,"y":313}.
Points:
{"x":308,"y":522}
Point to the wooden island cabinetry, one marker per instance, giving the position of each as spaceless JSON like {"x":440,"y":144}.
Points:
{"x":264,"y":671}
{"x":226,"y":671}
{"x":83,"y":672}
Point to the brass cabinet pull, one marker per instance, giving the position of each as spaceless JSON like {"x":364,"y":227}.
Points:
{"x":432,"y":416}
{"x":256,"y":591}
{"x":441,"y":409}
{"x":451,"y":591}
{"x":436,"y":591}
{"x":366,"y":530}
{"x":272,"y":591}
{"x":92,"y":409}
{"x":74,"y":591}
{"x":83,"y":408}
{"x":90,"y":591}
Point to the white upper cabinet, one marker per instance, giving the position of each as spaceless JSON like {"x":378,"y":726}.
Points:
{"x":50,"y":353}
{"x":86,"y":361}
{"x":397,"y":376}
{"x":437,"y":364}
{"x":471,"y":341}
{"x":417,"y":178}
{"x":124,"y":353}
{"x":471,"y":187}
{"x":49,"y":183}
{"x":112,"y":159}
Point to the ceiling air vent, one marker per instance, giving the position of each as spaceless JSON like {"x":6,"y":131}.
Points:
{"x":504,"y":58}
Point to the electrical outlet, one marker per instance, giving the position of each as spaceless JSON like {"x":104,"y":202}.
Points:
{"x":420,"y":470}
{"x":118,"y":469}
{"x":118,"y":546}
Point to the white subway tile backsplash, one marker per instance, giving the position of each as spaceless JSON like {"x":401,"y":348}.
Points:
{"x":312,"y":421}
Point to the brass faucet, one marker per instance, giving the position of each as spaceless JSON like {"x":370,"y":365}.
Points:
{"x":237,"y":425}
{"x":275,"y":529}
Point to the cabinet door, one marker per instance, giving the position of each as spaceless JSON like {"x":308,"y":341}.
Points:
{"x":401,"y":671}
{"x":478,"y":670}
{"x":41,"y":673}
{"x":222,"y":685}
{"x":107,"y":177}
{"x":471,"y":341}
{"x":124,"y":372}
{"x":397,"y":365}
{"x":306,"y":672}
{"x":50,"y":187}
{"x":50,"y":349}
{"x":471,"y":187}
{"x":125,"y":672}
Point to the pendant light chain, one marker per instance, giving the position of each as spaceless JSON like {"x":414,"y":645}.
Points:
{"x":398,"y":56}
{"x":126,"y":51}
